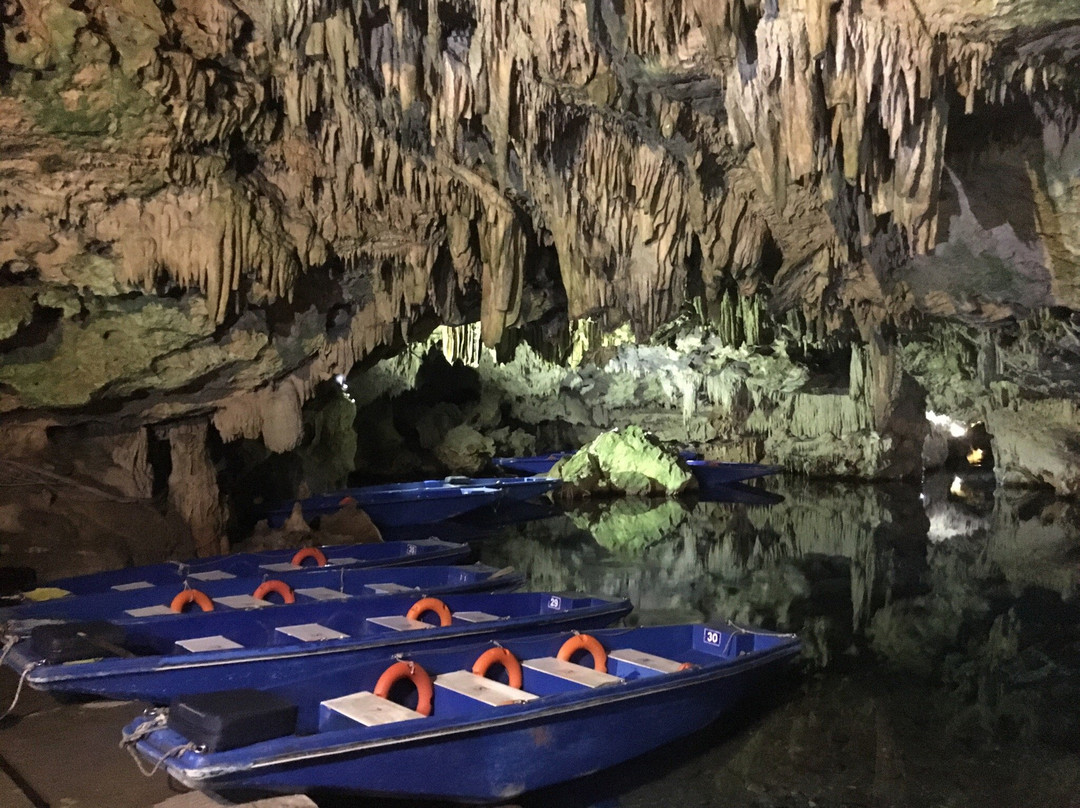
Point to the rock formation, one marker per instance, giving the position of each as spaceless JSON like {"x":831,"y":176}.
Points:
{"x":210,"y":207}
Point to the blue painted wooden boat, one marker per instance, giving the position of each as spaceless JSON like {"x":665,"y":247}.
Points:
{"x":276,"y":562}
{"x":708,"y":473}
{"x":540,"y":464}
{"x":308,"y":586}
{"x":155,"y":660}
{"x":712,"y":473}
{"x":482,"y":740}
{"x":419,"y":503}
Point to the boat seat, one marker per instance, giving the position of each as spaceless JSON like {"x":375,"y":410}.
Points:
{"x":399,"y":623}
{"x":389,"y":588}
{"x":345,"y":712}
{"x":311,"y":632}
{"x":217,"y":642}
{"x":476,"y":617}
{"x":212,"y":575}
{"x":341,"y":561}
{"x":628,"y":660}
{"x":321,"y":593}
{"x":280,"y":566}
{"x":132,"y":586}
{"x":242,"y":602}
{"x":150,"y":611}
{"x":546,"y":675}
{"x":478,"y":688}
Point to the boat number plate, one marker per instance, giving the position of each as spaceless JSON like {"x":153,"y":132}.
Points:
{"x":554,"y":602}
{"x":712,"y":637}
{"x":410,"y":550}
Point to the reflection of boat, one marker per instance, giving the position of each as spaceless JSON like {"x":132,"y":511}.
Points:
{"x":194,"y":653}
{"x":276,"y":562}
{"x":419,"y":503}
{"x":739,"y":492}
{"x":709,"y":473}
{"x":466,"y":737}
{"x":310,"y":586}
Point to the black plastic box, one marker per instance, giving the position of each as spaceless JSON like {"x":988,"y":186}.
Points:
{"x":67,"y":642}
{"x":227,"y":719}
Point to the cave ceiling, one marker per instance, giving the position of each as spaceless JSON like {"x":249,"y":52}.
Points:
{"x":208,"y":207}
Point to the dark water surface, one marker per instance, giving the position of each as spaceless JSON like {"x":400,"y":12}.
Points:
{"x":942,"y":637}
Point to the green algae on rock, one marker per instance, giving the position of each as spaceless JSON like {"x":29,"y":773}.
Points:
{"x":623,"y":461}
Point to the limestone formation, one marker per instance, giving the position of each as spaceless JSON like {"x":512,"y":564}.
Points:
{"x":209,"y":208}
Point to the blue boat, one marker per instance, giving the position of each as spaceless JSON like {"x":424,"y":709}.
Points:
{"x":708,"y":473}
{"x":462,"y":736}
{"x":540,"y":464}
{"x":420,"y":503}
{"x":275,"y":562}
{"x":158,"y":659}
{"x":393,"y":505}
{"x":713,"y":473}
{"x":238,"y":593}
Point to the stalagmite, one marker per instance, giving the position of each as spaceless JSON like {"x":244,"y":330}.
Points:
{"x":193,"y":488}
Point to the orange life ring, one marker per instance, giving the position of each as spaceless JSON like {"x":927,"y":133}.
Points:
{"x":282,"y":588}
{"x":499,"y":656}
{"x":309,"y":552}
{"x":414,"y":673}
{"x":191,"y":596}
{"x":585,"y":642}
{"x":431,"y":605}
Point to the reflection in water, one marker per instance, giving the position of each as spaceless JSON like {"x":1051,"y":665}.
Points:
{"x":942,"y":634}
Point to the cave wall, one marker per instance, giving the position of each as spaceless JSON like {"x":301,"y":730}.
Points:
{"x":208,"y":208}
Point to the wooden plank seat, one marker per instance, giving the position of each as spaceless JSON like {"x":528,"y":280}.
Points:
{"x":211,"y":575}
{"x":569,"y":672}
{"x":132,"y":586}
{"x":216,"y":642}
{"x":399,"y":623}
{"x":476,"y":617}
{"x":321,"y":593}
{"x":361,"y":708}
{"x":479,"y":688}
{"x":311,"y":632}
{"x":242,"y":602}
{"x":640,"y":660}
{"x":390,"y":588}
{"x":150,"y":611}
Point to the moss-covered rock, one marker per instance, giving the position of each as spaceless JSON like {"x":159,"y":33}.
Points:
{"x":624,"y":461}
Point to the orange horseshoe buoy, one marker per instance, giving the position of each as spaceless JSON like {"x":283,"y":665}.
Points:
{"x":585,"y":642}
{"x":499,"y":656}
{"x":309,"y":552}
{"x":282,"y":588}
{"x":191,"y":596}
{"x":413,"y":672}
{"x":431,"y":605}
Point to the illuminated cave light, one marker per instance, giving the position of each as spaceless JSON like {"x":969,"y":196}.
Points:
{"x":957,"y":487}
{"x":340,"y":379}
{"x":956,"y":428}
{"x":975,"y":457}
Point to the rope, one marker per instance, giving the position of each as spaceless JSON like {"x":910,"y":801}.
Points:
{"x":156,"y":719}
{"x":18,"y":690}
{"x":9,"y":643}
{"x":176,"y":751}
